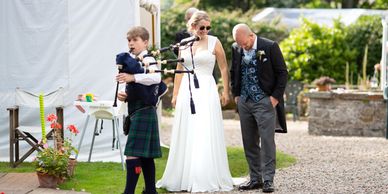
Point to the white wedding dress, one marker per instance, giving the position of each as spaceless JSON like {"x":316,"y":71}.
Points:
{"x":198,"y":160}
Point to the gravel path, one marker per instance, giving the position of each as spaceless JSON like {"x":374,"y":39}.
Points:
{"x":325,"y":164}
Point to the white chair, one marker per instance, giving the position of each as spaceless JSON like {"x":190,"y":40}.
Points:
{"x":101,"y":110}
{"x":19,"y":131}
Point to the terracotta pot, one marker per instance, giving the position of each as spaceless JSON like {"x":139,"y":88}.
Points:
{"x":71,"y":166}
{"x":323,"y":87}
{"x":47,"y":181}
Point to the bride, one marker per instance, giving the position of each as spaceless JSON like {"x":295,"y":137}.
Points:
{"x":198,"y":161}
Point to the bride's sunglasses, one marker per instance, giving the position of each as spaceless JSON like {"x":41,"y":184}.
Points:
{"x":205,"y":27}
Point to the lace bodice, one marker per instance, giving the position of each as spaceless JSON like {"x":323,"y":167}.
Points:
{"x":204,"y":60}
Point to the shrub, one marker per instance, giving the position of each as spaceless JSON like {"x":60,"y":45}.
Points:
{"x":313,"y":50}
{"x":367,"y":30}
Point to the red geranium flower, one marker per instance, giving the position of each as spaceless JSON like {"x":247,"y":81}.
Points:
{"x":73,"y":129}
{"x":56,"y":125}
{"x":52,"y":117}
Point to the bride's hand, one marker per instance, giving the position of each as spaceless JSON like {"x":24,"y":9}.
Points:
{"x":173,"y":101}
{"x":225,"y":99}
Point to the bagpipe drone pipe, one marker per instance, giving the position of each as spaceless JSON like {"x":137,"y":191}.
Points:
{"x":151,"y":94}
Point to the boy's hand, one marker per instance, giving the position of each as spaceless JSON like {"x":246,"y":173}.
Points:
{"x":122,"y":96}
{"x":125,"y":78}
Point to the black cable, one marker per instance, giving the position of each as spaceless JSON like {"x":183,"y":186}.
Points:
{"x":196,"y":83}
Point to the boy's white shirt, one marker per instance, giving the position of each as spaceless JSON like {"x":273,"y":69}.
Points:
{"x":148,"y":78}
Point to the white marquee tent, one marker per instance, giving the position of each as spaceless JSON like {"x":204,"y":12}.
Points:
{"x":72,"y":44}
{"x":290,"y":17}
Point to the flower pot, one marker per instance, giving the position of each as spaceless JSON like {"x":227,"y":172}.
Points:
{"x":47,"y":181}
{"x":323,"y":88}
{"x":71,"y":166}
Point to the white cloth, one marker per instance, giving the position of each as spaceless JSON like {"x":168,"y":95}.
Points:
{"x":197,"y":160}
{"x":148,"y":78}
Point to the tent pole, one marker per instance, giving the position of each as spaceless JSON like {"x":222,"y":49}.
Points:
{"x":153,"y":30}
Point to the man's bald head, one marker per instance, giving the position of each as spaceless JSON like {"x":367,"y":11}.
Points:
{"x":243,"y":36}
{"x":241,"y":29}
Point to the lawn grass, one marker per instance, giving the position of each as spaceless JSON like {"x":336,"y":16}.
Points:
{"x":108,"y":177}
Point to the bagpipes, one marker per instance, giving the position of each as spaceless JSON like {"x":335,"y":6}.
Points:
{"x":133,"y":65}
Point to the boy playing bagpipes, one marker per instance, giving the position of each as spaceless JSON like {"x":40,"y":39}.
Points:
{"x":142,"y":93}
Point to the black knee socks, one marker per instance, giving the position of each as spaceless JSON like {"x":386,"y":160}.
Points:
{"x":133,"y":172}
{"x":148,"y":166}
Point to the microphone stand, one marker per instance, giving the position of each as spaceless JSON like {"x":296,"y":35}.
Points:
{"x":192,"y":105}
{"x":171,"y":47}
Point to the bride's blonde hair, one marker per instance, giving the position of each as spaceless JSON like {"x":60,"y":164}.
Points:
{"x":196,"y":18}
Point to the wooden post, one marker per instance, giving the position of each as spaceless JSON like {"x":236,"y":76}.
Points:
{"x":13,"y":143}
{"x":153,"y":30}
{"x":60,"y":119}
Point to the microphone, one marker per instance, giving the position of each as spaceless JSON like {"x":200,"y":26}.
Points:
{"x":164,"y":49}
{"x":191,"y":39}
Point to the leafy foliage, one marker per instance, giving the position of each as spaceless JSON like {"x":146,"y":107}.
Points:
{"x":316,"y":4}
{"x":222,"y":25}
{"x":313,"y":51}
{"x":245,"y":4}
{"x":310,"y":51}
{"x":51,"y":161}
{"x":55,"y":160}
{"x":376,"y":4}
{"x":366,"y":31}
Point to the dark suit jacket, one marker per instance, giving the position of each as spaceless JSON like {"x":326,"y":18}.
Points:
{"x":180,"y":36}
{"x":272,"y":74}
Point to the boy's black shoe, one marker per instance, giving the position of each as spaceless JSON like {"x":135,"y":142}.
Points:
{"x":268,"y":187}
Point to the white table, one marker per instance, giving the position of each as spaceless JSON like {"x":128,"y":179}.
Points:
{"x":102,"y":110}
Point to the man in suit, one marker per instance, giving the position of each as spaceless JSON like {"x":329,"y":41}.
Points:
{"x":184,"y":33}
{"x":258,"y":79}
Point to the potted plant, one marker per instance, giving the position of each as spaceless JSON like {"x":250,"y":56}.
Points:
{"x":324,"y":83}
{"x":52,"y":163}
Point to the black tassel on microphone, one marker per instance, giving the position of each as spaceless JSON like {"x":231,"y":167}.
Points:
{"x":192,"y":106}
{"x":196,"y":83}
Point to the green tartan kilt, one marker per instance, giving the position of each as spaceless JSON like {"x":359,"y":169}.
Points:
{"x":143,"y":136}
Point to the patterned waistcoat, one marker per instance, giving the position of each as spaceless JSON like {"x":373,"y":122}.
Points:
{"x":250,"y":88}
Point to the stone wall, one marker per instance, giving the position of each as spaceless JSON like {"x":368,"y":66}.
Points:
{"x":347,"y":114}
